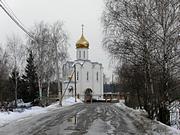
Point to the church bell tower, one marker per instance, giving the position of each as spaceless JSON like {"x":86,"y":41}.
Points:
{"x":82,"y":47}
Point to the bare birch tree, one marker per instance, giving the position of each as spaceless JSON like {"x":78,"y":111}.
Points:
{"x":16,"y":52}
{"x":145,"y":33}
{"x":50,"y":51}
{"x":59,"y":41}
{"x":39,"y":48}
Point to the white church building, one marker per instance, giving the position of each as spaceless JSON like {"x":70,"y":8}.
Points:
{"x":89,"y":75}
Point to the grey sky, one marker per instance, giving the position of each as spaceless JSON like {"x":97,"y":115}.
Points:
{"x":72,"y":12}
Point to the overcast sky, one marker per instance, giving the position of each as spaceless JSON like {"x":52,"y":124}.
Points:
{"x":72,"y":12}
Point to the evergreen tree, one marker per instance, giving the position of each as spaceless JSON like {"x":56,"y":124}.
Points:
{"x":30,"y":78}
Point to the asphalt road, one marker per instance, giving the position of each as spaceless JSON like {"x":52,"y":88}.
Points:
{"x":89,"y":119}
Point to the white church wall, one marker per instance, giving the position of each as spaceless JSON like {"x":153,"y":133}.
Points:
{"x":97,"y":80}
{"x":83,"y":77}
{"x":94,"y":83}
{"x":68,"y":93}
{"x":101,"y":82}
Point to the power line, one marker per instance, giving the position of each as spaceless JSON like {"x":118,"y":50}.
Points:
{"x":18,"y":22}
{"x":15,"y":20}
{"x":10,"y":10}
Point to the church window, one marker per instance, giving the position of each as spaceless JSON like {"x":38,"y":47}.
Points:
{"x":87,"y":76}
{"x":77,"y":75}
{"x":79,"y":54}
{"x":97,"y":76}
{"x":84,"y":55}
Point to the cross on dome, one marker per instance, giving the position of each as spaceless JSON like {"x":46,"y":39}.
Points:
{"x":82,"y":28}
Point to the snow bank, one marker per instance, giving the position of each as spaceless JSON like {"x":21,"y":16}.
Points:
{"x":7,"y":117}
{"x":150,"y":126}
{"x":70,"y":101}
{"x":65,"y":102}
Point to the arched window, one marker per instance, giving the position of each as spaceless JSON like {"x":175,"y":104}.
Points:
{"x":87,"y":76}
{"x":79,"y":54}
{"x":97,"y":76}
{"x":84,"y":55}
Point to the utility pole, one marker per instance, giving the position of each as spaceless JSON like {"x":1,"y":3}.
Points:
{"x":74,"y":66}
{"x":75,"y":81}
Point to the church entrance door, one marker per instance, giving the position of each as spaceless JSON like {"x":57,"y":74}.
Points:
{"x":88,"y":95}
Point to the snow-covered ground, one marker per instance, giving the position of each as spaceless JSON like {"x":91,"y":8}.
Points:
{"x":90,"y":119}
{"x":7,"y":117}
{"x":150,"y":126}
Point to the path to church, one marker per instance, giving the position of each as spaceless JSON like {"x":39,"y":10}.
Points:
{"x":90,"y":119}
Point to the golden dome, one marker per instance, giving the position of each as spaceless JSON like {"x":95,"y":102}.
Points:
{"x":82,"y":43}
